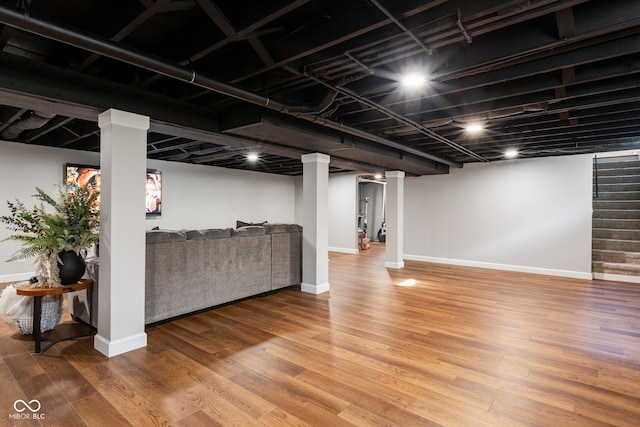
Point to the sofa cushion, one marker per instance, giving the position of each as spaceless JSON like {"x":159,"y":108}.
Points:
{"x":240,"y":224}
{"x":249,"y":231}
{"x":165,"y":236}
{"x":211,"y":233}
{"x":282,"y":228}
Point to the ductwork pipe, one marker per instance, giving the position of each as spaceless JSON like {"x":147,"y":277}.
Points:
{"x":33,"y":120}
{"x":75,"y":37}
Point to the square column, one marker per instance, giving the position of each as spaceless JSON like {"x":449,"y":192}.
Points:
{"x":394,"y":212}
{"x":315,"y":223}
{"x":121,"y":294}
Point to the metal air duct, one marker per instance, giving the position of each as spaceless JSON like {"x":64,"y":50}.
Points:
{"x":31,"y":120}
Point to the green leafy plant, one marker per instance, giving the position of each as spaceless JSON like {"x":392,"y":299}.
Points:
{"x":69,"y":222}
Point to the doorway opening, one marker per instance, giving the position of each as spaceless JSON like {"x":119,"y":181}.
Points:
{"x":371,"y":212}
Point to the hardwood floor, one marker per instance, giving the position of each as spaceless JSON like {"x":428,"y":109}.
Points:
{"x":459,"y":347}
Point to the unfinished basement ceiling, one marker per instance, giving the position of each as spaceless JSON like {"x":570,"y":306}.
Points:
{"x":281,"y":78}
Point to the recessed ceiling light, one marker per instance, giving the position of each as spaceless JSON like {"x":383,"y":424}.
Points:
{"x":413,"y":81}
{"x":474,"y":128}
{"x":378,"y":176}
{"x":252,"y":157}
{"x":510,"y":154}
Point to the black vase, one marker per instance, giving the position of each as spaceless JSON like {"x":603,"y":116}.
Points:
{"x":72,"y":268}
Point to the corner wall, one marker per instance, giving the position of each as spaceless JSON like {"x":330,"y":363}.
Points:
{"x":24,"y":167}
{"x":343,"y":220}
{"x":522,"y":215}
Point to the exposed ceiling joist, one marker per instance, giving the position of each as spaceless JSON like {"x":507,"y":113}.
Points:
{"x":550,"y":77}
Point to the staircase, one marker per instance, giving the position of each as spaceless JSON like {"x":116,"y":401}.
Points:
{"x":616,"y":219}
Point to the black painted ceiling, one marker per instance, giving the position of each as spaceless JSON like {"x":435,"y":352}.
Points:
{"x":221,"y":78}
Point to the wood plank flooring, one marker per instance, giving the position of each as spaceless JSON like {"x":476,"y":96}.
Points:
{"x":426,"y":345}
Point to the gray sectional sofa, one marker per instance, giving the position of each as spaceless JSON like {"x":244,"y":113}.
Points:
{"x":192,"y":270}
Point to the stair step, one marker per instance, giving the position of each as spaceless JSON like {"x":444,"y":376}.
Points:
{"x":618,"y":161}
{"x":622,"y":158}
{"x":617,"y":224}
{"x":616,"y":245}
{"x":616,"y":214}
{"x":618,"y":179}
{"x":616,"y":234}
{"x":616,"y":268}
{"x":616,"y":204}
{"x":624,"y":170}
{"x":616,"y":187}
{"x":615,"y":256}
{"x":618,"y":195}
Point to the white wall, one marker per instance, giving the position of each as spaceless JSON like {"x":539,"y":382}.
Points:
{"x":522,"y":215}
{"x":22,"y":168}
{"x":197,"y":196}
{"x":299,"y":198}
{"x":194,"y":196}
{"x":343,"y":192}
{"x":525,"y":215}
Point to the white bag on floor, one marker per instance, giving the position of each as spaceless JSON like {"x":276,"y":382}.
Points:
{"x":12,"y":305}
{"x":19,"y":309}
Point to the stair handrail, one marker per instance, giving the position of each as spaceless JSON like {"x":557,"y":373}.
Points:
{"x":595,"y":176}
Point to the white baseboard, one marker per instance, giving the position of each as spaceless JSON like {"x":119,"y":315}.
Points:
{"x":616,"y":277}
{"x":343,"y":250}
{"x":114,"y":348}
{"x":314,"y":289}
{"x":506,"y":267}
{"x":398,"y":265}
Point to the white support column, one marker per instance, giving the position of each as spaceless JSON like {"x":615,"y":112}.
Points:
{"x":121,"y":298}
{"x":394,"y":212}
{"x":315,"y":223}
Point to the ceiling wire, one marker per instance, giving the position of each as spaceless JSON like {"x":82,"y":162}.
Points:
{"x":390,"y":113}
{"x":406,"y":30}
{"x":85,"y":40}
